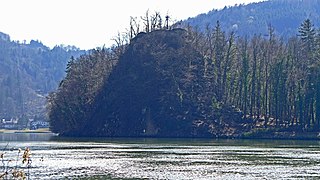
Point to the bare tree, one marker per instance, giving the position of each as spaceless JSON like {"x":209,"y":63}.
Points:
{"x":134,"y":27}
{"x":146,"y":21}
{"x":120,"y":43}
{"x":156,"y":21}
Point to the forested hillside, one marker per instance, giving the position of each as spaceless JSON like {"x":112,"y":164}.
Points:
{"x":246,"y":20}
{"x":186,"y":83}
{"x":157,"y":88}
{"x":28,"y":72}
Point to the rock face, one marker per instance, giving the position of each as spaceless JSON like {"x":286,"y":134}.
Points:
{"x":158,"y":89}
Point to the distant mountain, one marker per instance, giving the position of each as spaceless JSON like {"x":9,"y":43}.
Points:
{"x":28,"y":72}
{"x":284,"y":15}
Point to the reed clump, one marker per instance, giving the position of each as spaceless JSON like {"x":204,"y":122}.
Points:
{"x":15,"y":165}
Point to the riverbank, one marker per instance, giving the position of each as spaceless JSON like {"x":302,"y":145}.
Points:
{"x":41,"y":130}
{"x":273,"y":133}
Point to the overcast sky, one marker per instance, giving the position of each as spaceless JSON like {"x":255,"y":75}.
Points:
{"x":89,"y":23}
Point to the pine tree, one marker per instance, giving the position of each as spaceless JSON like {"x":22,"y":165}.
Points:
{"x":307,"y":33}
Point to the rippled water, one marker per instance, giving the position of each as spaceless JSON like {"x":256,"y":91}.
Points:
{"x":170,"y":158}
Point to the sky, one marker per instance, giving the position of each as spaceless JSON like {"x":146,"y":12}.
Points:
{"x":89,"y":24}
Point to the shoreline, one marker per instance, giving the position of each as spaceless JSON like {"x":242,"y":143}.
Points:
{"x":12,"y":131}
{"x":252,"y":135}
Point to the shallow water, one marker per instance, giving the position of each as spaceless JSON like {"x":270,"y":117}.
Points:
{"x":169,"y":158}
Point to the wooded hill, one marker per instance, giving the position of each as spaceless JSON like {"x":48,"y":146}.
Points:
{"x":246,"y":20}
{"x":28,"y":72}
{"x":188,"y":83}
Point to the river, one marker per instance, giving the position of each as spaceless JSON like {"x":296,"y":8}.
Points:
{"x":58,"y":158}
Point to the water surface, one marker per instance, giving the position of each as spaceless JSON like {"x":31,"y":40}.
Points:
{"x":169,"y":158}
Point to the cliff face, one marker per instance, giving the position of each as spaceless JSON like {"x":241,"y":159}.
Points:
{"x":158,"y":88}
